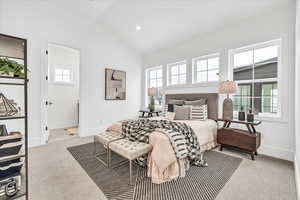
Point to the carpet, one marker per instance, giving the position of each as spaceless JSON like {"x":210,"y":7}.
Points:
{"x":199,"y":183}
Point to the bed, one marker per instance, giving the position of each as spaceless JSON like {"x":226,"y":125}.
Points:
{"x":206,"y":131}
{"x":163,"y":162}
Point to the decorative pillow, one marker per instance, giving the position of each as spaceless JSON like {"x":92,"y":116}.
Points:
{"x":199,"y":102}
{"x":170,"y":115}
{"x":176,"y":102}
{"x":165,"y":110}
{"x":182,"y":112}
{"x":199,"y":112}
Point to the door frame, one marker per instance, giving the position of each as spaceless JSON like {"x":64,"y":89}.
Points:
{"x":44,"y":89}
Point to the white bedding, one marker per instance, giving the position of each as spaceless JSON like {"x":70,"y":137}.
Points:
{"x":206,"y":131}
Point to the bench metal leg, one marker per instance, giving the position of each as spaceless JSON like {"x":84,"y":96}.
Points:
{"x":130,"y":171}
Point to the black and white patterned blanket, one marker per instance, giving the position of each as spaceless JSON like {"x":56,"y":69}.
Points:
{"x":182,"y":137}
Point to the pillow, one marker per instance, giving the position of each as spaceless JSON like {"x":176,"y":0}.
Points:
{"x":176,"y":102}
{"x":171,"y":107}
{"x":170,"y":115}
{"x":199,"y":102}
{"x":199,"y":112}
{"x":182,"y":112}
{"x":165,"y":110}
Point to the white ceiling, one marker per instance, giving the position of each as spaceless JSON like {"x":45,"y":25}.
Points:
{"x":167,"y":22}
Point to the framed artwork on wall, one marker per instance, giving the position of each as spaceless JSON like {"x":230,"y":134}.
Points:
{"x":115,"y":84}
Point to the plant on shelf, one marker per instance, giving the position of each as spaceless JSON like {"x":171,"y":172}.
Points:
{"x":11,"y":68}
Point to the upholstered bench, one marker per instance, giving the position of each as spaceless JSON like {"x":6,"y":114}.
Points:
{"x":129,"y":150}
{"x":105,"y":139}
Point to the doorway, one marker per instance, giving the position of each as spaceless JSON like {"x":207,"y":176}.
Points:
{"x":63,"y":92}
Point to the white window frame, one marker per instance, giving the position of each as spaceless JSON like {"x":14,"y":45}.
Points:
{"x":194,"y":67}
{"x":154,"y":69}
{"x":71,"y":82}
{"x":147,"y":80}
{"x":169,"y":73}
{"x":277,"y":42}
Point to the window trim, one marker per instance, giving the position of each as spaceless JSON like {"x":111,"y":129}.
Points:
{"x":147,"y":80}
{"x":169,"y":74}
{"x":274,"y":42}
{"x":194,"y":68}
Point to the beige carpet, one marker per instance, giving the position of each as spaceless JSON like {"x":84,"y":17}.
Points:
{"x":55,"y":174}
{"x":62,"y":134}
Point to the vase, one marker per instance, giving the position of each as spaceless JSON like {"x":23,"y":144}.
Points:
{"x":242,"y":116}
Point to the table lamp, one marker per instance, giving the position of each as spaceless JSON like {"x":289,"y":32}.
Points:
{"x":227,"y":87}
{"x":152,"y":92}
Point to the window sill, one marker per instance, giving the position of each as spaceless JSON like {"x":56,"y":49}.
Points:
{"x":268,"y":118}
{"x":205,"y":84}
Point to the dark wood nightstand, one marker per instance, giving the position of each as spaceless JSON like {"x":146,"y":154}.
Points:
{"x":246,"y":140}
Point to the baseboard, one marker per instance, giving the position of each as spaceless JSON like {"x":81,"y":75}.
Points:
{"x":276,"y":152}
{"x":90,"y":131}
{"x":297,"y":178}
{"x":33,"y":142}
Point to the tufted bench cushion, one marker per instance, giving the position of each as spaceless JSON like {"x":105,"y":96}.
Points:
{"x":106,"y":137}
{"x":130,"y":150}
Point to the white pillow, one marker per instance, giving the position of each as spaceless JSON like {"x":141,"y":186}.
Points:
{"x":170,"y":115}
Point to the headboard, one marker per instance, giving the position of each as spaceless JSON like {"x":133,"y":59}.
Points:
{"x":212,"y":101}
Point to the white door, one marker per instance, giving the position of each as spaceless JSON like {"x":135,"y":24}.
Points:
{"x":63,"y":87}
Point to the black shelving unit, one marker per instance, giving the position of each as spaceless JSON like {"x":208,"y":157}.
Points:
{"x":8,"y":81}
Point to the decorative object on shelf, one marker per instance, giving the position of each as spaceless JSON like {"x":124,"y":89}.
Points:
{"x":250,"y":116}
{"x":242,"y":114}
{"x":115,"y":84}
{"x":11,"y":68}
{"x":227,"y":87}
{"x":152,"y":92}
{"x":10,"y":186}
{"x":7,"y":107}
{"x":3,"y":130}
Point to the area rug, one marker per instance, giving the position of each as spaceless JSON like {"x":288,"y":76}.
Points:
{"x":199,"y":183}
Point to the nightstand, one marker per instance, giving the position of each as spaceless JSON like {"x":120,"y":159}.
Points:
{"x":246,"y":140}
{"x":149,"y":113}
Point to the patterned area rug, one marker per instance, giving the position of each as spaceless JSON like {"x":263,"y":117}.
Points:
{"x":199,"y":184}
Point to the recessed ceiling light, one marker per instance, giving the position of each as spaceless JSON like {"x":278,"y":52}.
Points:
{"x":138,"y":28}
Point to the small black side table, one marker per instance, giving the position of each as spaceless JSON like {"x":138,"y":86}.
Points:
{"x":149,"y":113}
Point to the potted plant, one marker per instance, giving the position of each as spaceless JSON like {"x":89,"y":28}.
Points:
{"x":11,"y":68}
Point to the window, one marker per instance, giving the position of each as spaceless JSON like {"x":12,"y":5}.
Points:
{"x":155,"y":77}
{"x":154,"y":80}
{"x":243,"y":97}
{"x":206,"y":68}
{"x":62,"y":75}
{"x":255,"y":69}
{"x":269,"y":97}
{"x":177,"y":73}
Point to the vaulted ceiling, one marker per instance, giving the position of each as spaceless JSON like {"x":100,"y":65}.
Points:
{"x":167,"y":22}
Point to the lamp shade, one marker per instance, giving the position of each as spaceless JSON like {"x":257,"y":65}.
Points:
{"x":227,"y":87}
{"x":152,"y":91}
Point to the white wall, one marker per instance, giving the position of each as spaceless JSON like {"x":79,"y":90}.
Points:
{"x":41,"y":22}
{"x":297,"y":100}
{"x":277,"y":134}
{"x":63,"y":112}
